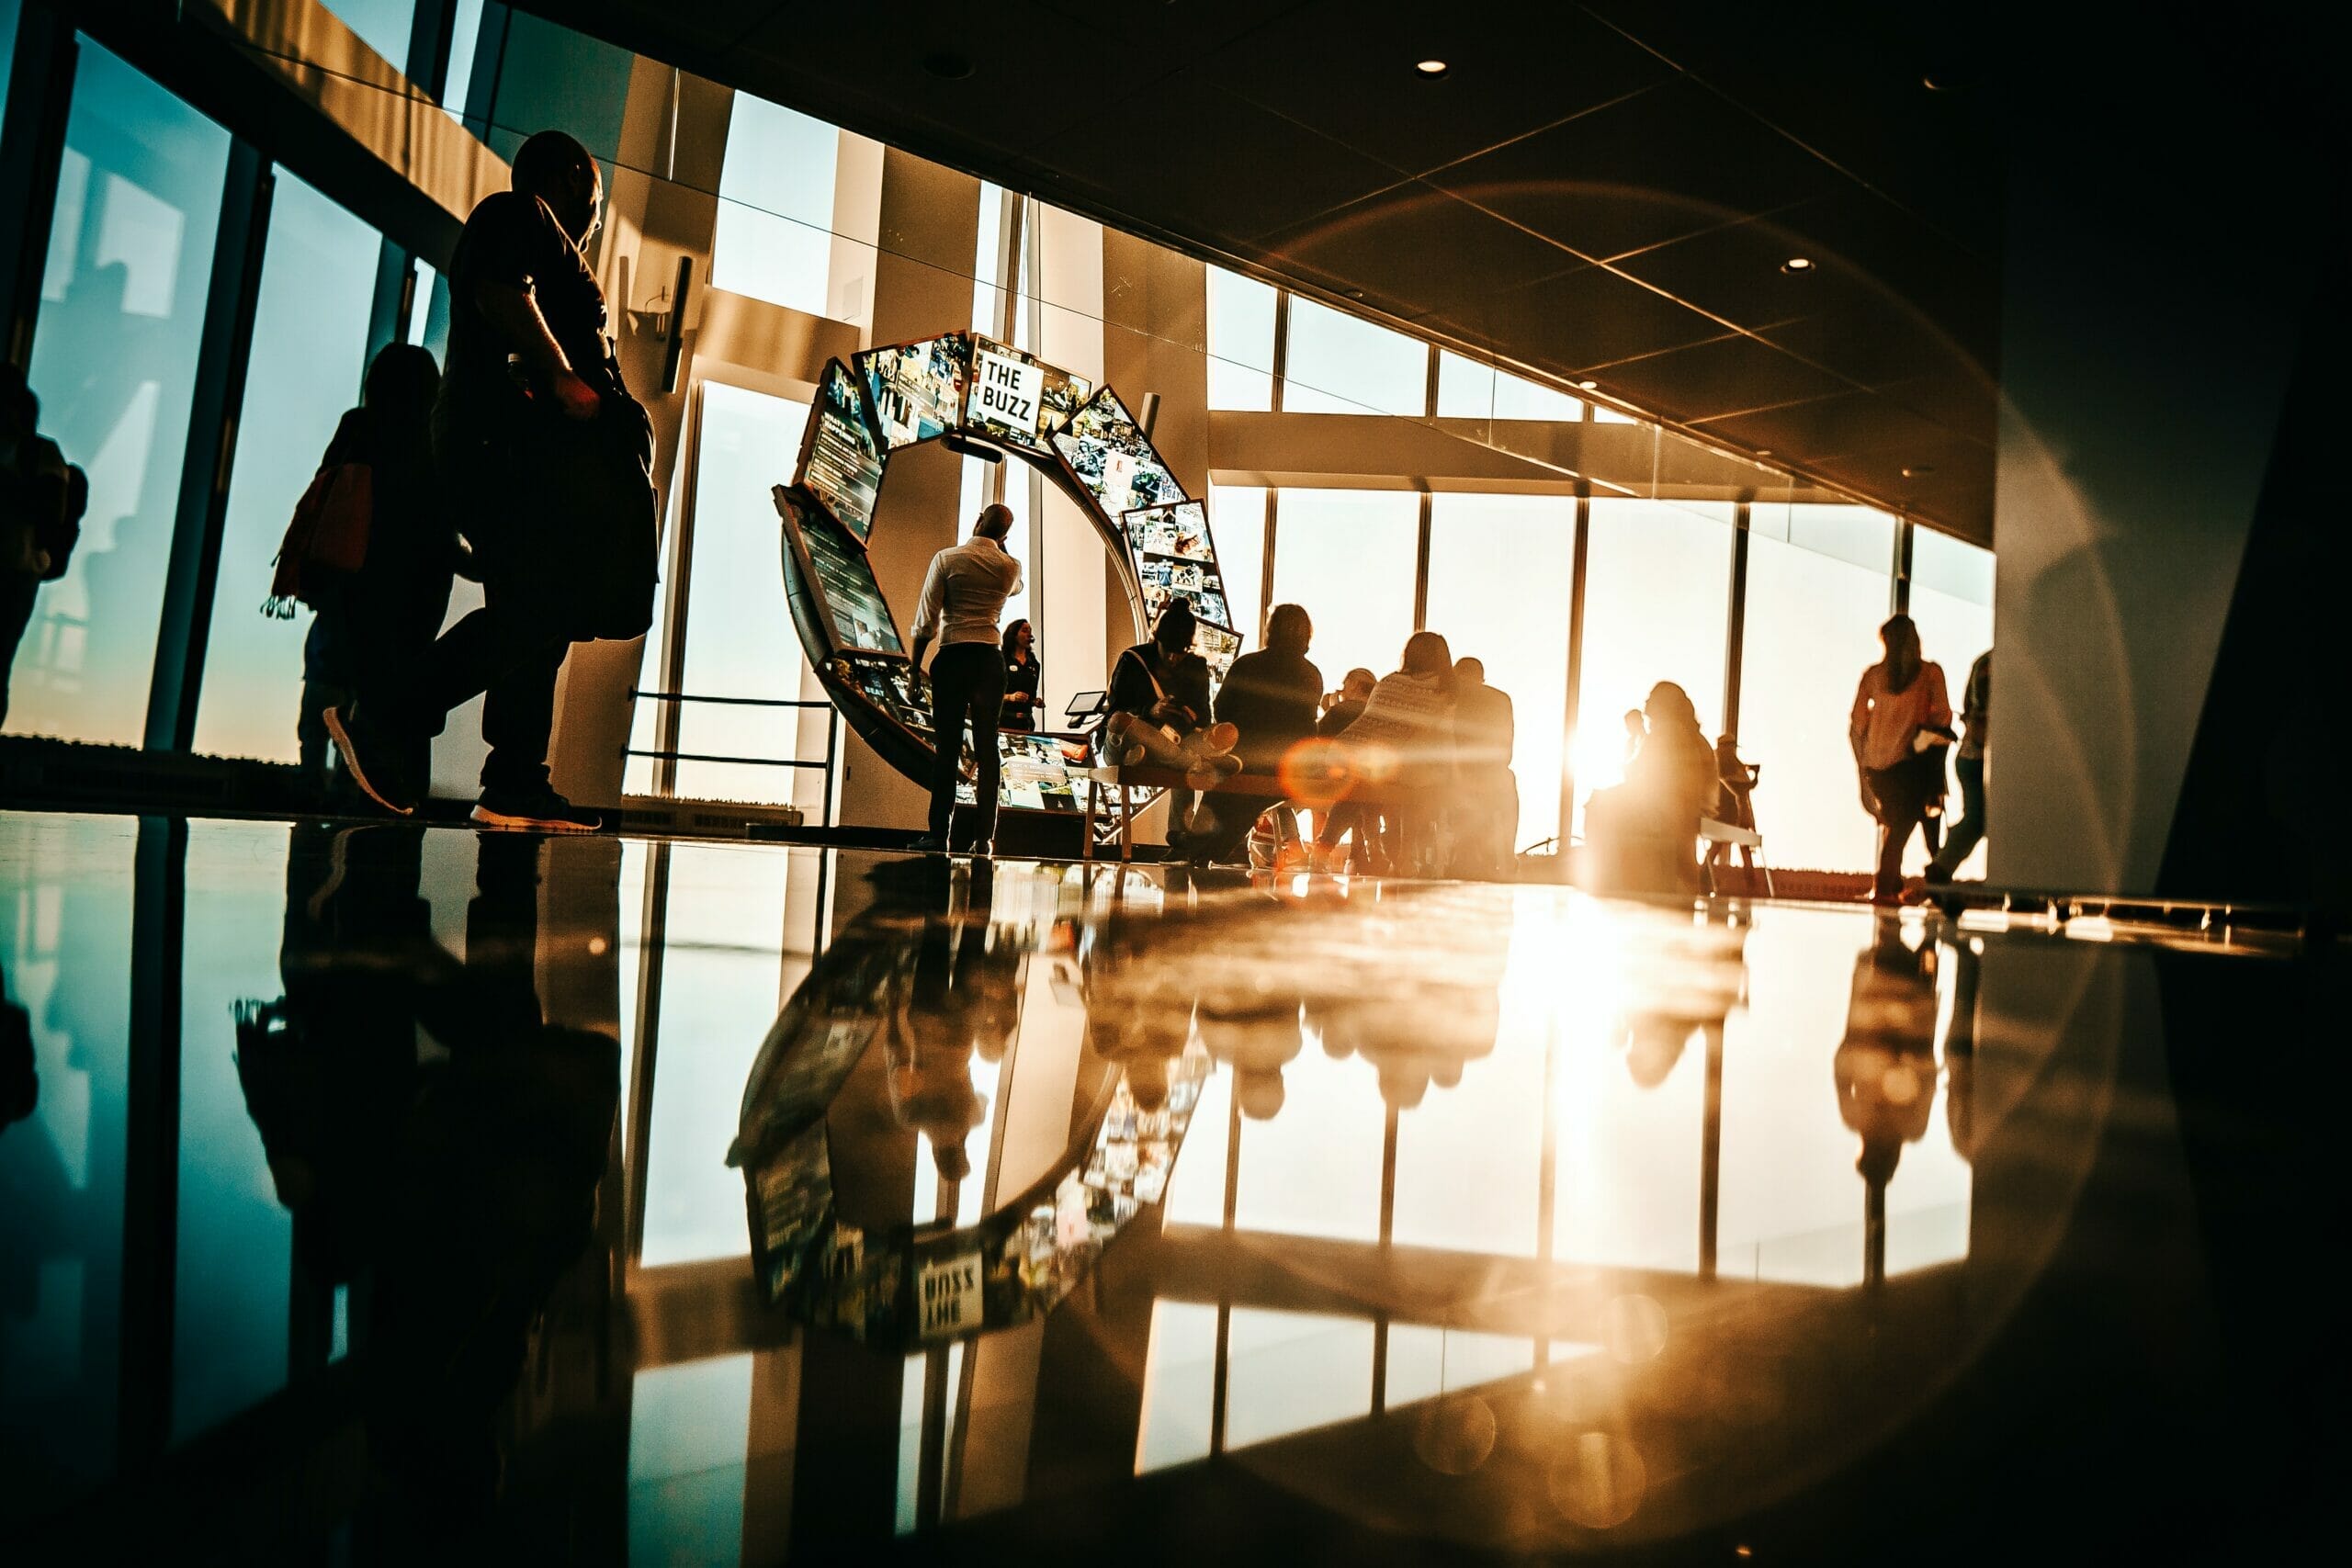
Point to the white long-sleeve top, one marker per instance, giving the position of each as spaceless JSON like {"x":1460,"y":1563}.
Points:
{"x":963,"y":593}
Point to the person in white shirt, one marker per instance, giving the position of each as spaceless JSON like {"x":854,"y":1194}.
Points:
{"x":963,"y":599}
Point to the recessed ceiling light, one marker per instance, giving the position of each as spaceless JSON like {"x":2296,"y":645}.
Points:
{"x":1918,"y":470}
{"x":1431,"y":70}
{"x":1797,"y":264}
{"x":1587,"y":386}
{"x":1353,"y":293}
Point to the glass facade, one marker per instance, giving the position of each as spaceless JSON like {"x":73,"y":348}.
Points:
{"x":1340,"y":364}
{"x":1657,"y":607}
{"x":1348,"y":556}
{"x":309,"y":355}
{"x":1241,"y":342}
{"x":1819,"y":582}
{"x":774,"y":240}
{"x":1500,"y":577}
{"x":382,"y":25}
{"x":123,"y":301}
{"x":1467,"y":389}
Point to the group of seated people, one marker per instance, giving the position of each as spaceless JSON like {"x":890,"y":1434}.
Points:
{"x":1432,"y":728}
{"x":1433,"y":739}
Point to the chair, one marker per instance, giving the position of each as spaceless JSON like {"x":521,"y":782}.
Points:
{"x":1712,"y":832}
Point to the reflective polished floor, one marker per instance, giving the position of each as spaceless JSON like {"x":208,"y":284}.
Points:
{"x":386,"y":1194}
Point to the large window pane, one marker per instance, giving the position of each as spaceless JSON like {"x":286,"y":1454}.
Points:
{"x":774,"y":237}
{"x":1656,"y":601}
{"x":1237,"y":523}
{"x":739,"y":644}
{"x":308,"y":353}
{"x":1347,"y":555}
{"x":382,"y":25}
{"x":1952,"y":598}
{"x":1467,"y":389}
{"x":1241,"y":342}
{"x":9,"y":12}
{"x":1499,"y":570}
{"x":122,"y":315}
{"x":1339,"y":364}
{"x":1817,"y":589}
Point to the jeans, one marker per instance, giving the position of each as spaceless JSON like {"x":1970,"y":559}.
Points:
{"x":966,"y":680}
{"x":1969,"y":830}
{"x":1903,"y":792}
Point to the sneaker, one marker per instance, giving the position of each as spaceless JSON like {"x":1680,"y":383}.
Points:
{"x":370,"y":758}
{"x":539,"y":810}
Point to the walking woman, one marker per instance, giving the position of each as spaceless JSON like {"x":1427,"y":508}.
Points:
{"x":1901,"y":724}
{"x":1022,"y":673}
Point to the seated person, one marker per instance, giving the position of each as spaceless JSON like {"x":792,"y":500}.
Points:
{"x":1405,"y":736}
{"x":1160,"y":708}
{"x":1270,"y":697}
{"x":1487,"y":790}
{"x":1646,"y":829}
{"x":1344,"y":706}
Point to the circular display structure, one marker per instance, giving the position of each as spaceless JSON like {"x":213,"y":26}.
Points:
{"x":976,"y":395}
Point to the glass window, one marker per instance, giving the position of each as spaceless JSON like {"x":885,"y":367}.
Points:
{"x":236,"y":1240}
{"x":1237,"y":523}
{"x":1603,"y":414}
{"x":1241,"y":342}
{"x":721,"y":976}
{"x":1467,"y":389}
{"x":1952,"y":598}
{"x":988,"y":291}
{"x":464,"y":36}
{"x":9,"y":12}
{"x":775,"y":238}
{"x":1287,"y":1372}
{"x":1656,"y":601}
{"x":1499,"y":573}
{"x":122,"y":317}
{"x":974,"y":496}
{"x":1315,"y":1175}
{"x":66,"y":892}
{"x":1817,"y":589}
{"x":739,"y":644}
{"x":309,"y":354}
{"x":1340,"y":365}
{"x":689,"y":1435}
{"x":382,"y":25}
{"x":1179,"y":1385}
{"x":1348,"y":556}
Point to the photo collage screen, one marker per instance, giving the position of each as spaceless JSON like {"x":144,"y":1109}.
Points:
{"x":896,"y":687}
{"x":852,"y":600}
{"x":842,"y":469}
{"x":1112,"y":459}
{"x":1017,"y":399}
{"x":917,"y":388}
{"x":1036,"y":772}
{"x":1175,"y":561}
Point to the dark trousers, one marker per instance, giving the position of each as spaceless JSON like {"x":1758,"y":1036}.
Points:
{"x":1903,"y":792}
{"x":513,"y":645}
{"x":967,"y":681}
{"x":1969,"y":832}
{"x":18,"y":589}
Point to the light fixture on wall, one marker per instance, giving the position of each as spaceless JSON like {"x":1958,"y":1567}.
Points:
{"x":1795,"y":265}
{"x":1431,"y":70}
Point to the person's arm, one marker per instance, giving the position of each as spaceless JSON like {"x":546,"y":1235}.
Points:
{"x":1939,"y":699}
{"x":928,"y":609}
{"x":515,"y":313}
{"x":1858,"y":724}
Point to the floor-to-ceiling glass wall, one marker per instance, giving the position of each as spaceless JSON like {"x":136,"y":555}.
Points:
{"x":1499,"y":570}
{"x":1818,"y":584}
{"x":1657,"y":603}
{"x":1348,"y":556}
{"x":121,"y":323}
{"x":308,"y":353}
{"x":1952,"y":598}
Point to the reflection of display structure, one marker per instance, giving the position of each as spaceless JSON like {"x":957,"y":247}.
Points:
{"x":983,"y":392}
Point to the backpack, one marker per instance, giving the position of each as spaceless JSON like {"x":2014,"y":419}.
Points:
{"x":327,"y":540}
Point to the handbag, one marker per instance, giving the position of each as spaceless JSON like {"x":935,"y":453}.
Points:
{"x":326,"y":541}
{"x":597,"y":484}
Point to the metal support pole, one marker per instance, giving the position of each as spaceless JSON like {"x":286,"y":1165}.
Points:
{"x":1577,"y":567}
{"x":32,"y":146}
{"x":1735,"y":627}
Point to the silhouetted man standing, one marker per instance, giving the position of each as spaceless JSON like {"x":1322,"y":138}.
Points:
{"x":526,"y":345}
{"x":963,"y":599}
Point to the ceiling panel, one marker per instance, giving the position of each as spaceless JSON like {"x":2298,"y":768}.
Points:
{"x":1362,"y":89}
{"x":1730,"y":375}
{"x":1404,"y":247}
{"x":1575,"y":322}
{"x":1661,"y":164}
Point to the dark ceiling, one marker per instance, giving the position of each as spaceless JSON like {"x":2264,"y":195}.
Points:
{"x":1600,"y":193}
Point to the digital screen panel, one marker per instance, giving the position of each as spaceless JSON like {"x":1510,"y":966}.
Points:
{"x":1218,"y":646}
{"x":1112,"y":459}
{"x":841,"y":466}
{"x":1179,"y":532}
{"x":1034,"y":772}
{"x":896,"y":687}
{"x":1197,"y":585}
{"x":917,"y":388}
{"x":1017,"y":399}
{"x":854,"y":601}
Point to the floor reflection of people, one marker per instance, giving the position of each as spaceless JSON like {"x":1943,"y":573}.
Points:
{"x":1680,"y":981}
{"x":438,"y":1142}
{"x":964,"y":999}
{"x":1885,"y":1066}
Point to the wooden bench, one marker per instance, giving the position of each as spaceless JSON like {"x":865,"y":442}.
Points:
{"x":1265,"y":786}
